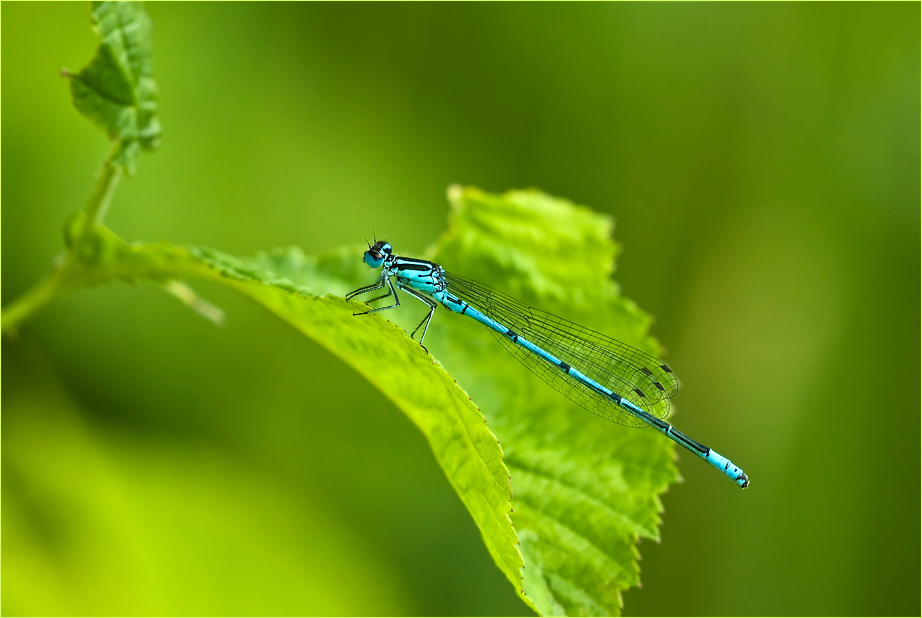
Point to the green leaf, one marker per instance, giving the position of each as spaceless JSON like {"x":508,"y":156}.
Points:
{"x":586,"y":490}
{"x":116,"y":89}
{"x":463,"y":445}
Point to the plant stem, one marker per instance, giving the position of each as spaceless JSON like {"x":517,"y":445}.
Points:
{"x":101,"y":196}
{"x":30,"y":302}
{"x":51,"y":287}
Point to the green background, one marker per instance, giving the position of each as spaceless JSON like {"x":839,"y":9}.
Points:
{"x":762,"y":162}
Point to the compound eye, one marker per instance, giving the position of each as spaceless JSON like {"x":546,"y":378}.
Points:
{"x":374,"y":258}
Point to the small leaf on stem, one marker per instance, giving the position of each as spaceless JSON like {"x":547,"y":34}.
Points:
{"x":116,"y":89}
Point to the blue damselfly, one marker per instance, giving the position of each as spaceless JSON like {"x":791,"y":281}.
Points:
{"x":610,"y":379}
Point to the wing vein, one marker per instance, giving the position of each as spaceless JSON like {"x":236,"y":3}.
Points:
{"x":634,"y":375}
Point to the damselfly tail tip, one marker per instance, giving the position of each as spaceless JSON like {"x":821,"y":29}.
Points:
{"x":743,"y":480}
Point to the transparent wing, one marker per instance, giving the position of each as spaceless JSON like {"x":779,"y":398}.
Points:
{"x":636,"y":376}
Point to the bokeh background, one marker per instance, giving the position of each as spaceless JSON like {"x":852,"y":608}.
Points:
{"x":762,"y":162}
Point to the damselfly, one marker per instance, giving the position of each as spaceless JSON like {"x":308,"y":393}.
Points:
{"x":609,"y":378}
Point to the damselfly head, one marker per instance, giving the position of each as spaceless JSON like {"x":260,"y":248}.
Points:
{"x":377,"y":254}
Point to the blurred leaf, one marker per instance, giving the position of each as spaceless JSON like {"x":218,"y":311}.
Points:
{"x":116,"y":90}
{"x":99,"y":521}
{"x":586,"y":490}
